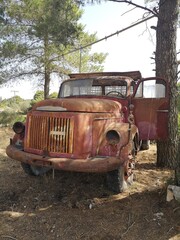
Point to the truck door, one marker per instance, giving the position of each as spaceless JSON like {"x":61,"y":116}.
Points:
{"x":151,"y":106}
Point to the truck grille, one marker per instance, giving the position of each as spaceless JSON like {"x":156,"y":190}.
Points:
{"x":51,"y":134}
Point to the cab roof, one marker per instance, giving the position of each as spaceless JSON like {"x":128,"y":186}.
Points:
{"x":135,"y":75}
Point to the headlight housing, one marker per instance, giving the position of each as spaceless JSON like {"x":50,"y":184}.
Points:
{"x":18,"y":127}
{"x":113,"y":137}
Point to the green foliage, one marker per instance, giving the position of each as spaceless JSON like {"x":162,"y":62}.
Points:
{"x":178,"y":103}
{"x":35,"y":37}
{"x":16,"y":103}
{"x":9,"y":117}
{"x":24,"y":106}
{"x":179,"y":123}
{"x":39,"y":96}
{"x":53,"y":95}
{"x":54,"y":19}
{"x":83,"y":60}
{"x":178,"y":99}
{"x":12,"y":110}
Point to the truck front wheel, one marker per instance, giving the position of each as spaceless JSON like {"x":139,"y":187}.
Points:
{"x":119,"y":179}
{"x":34,"y":170}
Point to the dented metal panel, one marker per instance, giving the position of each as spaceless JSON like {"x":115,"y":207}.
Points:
{"x":92,"y":133}
{"x":78,"y":105}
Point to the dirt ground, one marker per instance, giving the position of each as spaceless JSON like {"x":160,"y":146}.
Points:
{"x":72,"y":206}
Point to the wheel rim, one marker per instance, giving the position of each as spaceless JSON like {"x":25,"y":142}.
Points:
{"x":130,"y":166}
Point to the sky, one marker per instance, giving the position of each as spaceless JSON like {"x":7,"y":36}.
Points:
{"x":130,"y":50}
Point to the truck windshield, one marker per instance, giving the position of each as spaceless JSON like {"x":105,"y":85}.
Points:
{"x":76,"y":88}
{"x":95,"y":87}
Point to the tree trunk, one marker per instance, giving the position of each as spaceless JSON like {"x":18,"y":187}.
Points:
{"x":46,"y":82}
{"x":177,"y":169}
{"x":47,"y":73}
{"x":166,"y":67}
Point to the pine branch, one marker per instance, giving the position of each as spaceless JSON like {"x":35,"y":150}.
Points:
{"x":154,"y":11}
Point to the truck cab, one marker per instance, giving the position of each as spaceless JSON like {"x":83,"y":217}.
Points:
{"x":96,"y":124}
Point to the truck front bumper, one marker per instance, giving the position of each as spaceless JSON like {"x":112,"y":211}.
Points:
{"x":96,"y":164}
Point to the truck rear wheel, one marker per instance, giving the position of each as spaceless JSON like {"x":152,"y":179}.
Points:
{"x":145,"y":145}
{"x":34,"y":170}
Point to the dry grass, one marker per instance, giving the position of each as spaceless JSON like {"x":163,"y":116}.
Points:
{"x":78,"y":206}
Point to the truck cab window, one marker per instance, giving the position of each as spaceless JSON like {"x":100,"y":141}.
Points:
{"x":151,"y":89}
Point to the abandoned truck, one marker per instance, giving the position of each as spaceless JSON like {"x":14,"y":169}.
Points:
{"x":96,"y":124}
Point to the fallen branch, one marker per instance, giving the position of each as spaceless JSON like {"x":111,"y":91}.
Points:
{"x":174,"y":210}
{"x":127,"y":230}
{"x":6,"y":236}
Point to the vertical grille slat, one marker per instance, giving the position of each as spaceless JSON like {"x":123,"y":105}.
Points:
{"x":65,"y":138}
{"x":52,"y":134}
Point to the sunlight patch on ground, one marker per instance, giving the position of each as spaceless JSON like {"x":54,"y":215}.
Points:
{"x":16,"y":214}
{"x":177,"y":237}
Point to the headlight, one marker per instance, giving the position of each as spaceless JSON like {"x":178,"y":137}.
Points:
{"x":113,"y":137}
{"x":18,"y":127}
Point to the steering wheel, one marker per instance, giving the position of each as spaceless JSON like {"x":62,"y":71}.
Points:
{"x":116,"y":93}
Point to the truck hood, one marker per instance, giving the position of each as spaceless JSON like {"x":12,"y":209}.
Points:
{"x":77,"y":105}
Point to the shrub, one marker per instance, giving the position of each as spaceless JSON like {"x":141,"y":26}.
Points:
{"x":24,"y":106}
{"x":8,"y":117}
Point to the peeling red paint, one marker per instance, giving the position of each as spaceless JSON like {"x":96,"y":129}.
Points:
{"x":70,"y":133}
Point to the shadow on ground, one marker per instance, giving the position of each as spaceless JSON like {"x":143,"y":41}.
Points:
{"x":69,"y":205}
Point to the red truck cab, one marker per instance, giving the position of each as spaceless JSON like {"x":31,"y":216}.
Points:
{"x":96,"y":124}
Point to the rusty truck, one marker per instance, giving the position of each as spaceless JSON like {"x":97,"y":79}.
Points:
{"x":98,"y":123}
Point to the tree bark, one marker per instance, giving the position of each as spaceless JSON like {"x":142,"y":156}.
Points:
{"x":47,"y":74}
{"x":166,"y":67}
{"x":177,"y":169}
{"x":46,"y":82}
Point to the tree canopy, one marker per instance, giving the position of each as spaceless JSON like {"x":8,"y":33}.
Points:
{"x":36,"y":36}
{"x":167,"y":12}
